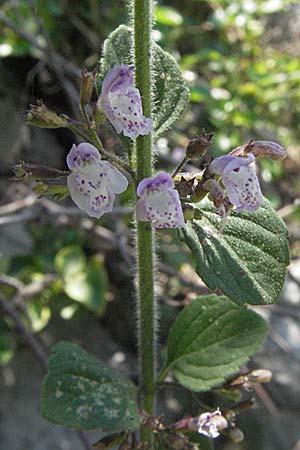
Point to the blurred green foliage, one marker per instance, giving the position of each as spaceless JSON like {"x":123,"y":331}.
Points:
{"x":76,"y":279}
{"x":243,"y":70}
{"x":248,"y":86}
{"x":244,"y":83}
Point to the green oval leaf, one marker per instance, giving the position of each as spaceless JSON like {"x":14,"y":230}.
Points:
{"x":89,"y":287}
{"x":211,"y":338}
{"x":247,"y":262}
{"x":81,"y":392}
{"x":171,"y":93}
{"x":70,"y":260}
{"x":166,"y":15}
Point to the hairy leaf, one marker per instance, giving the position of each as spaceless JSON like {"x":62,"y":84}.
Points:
{"x":247,"y":262}
{"x":211,"y":338}
{"x":81,"y":392}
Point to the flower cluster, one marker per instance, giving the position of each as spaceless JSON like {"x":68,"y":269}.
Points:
{"x":121,"y":102}
{"x":159,"y":202}
{"x":240,"y":180}
{"x":93,"y":183}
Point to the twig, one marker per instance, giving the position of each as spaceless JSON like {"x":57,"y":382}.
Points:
{"x":18,"y":204}
{"x":58,"y":63}
{"x":267,"y":401}
{"x":69,"y":67}
{"x":28,"y":336}
{"x":86,"y":31}
{"x":179,"y":167}
{"x":168,"y":270}
{"x":288,"y":209}
{"x":281,"y":343}
{"x":12,"y":282}
{"x":282,"y":310}
{"x":23,"y":216}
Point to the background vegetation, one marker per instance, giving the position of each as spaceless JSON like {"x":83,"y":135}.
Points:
{"x":241,"y":62}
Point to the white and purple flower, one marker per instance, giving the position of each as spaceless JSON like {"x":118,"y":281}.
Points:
{"x":210,"y":424}
{"x":121,"y":102}
{"x":93,"y":183}
{"x":159,"y":202}
{"x":240,"y":180}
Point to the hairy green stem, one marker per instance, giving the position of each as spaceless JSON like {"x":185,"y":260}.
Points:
{"x":142,"y":23}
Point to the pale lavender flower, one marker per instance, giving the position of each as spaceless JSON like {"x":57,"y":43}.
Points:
{"x":159,"y":202}
{"x":210,"y":424}
{"x":93,"y":183}
{"x":121,"y":102}
{"x":240,"y":180}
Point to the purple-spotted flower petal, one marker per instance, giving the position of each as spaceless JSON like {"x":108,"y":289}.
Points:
{"x":210,"y":424}
{"x":159,"y":202}
{"x":93,"y":183}
{"x":122,"y":104}
{"x":240,"y":180}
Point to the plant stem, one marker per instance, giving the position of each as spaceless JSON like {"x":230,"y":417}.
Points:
{"x":163,"y":374}
{"x":93,"y":134}
{"x":179,"y":167}
{"x":142,"y":21}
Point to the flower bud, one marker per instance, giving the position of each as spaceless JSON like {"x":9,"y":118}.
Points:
{"x":36,"y":171}
{"x":260,"y":376}
{"x":40,"y":116}
{"x":87,"y":86}
{"x":248,"y":380}
{"x":261,"y":149}
{"x":237,"y":383}
{"x":199,"y":146}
